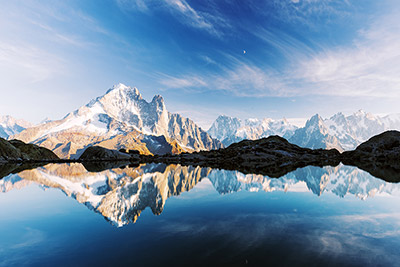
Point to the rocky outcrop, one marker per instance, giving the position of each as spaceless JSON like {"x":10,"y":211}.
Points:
{"x":380,"y":156}
{"x":16,"y":150}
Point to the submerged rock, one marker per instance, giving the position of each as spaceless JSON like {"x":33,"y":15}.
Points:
{"x":101,"y":153}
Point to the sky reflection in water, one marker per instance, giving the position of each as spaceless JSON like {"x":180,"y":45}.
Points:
{"x":313,"y":216}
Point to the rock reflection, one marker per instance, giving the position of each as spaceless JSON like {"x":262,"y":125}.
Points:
{"x":122,"y":193}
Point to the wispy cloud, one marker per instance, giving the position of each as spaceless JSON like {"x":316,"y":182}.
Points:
{"x":183,"y":82}
{"x":369,"y":66}
{"x":240,"y":79}
{"x":183,"y":11}
{"x":36,"y":63}
{"x":291,"y":48}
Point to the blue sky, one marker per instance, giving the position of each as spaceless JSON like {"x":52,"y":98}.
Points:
{"x":272,"y":58}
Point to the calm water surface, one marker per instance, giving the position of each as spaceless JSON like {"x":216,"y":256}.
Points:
{"x":159,"y":215}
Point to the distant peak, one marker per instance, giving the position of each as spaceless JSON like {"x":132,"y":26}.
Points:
{"x":316,"y":117}
{"x":360,"y":112}
{"x":338,"y":116}
{"x":225,"y":117}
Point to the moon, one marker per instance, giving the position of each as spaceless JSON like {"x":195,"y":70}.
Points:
{"x":244,"y":51}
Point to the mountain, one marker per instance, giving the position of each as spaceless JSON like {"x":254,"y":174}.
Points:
{"x":315,"y":135}
{"x":10,"y":126}
{"x":121,"y":118}
{"x":232,"y":130}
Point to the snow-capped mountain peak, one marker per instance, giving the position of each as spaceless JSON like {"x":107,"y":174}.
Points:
{"x":121,"y":111}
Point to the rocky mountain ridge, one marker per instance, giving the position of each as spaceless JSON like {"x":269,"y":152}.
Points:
{"x":121,"y":118}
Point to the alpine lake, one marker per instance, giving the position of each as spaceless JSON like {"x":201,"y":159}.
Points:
{"x":172,"y":215}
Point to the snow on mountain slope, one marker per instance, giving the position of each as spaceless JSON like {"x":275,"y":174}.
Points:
{"x":341,"y":132}
{"x":10,"y":126}
{"x":120,"y":112}
{"x":231,"y":130}
{"x":314,"y":135}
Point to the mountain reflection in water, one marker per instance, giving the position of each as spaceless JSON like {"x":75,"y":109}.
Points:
{"x":121,"y":194}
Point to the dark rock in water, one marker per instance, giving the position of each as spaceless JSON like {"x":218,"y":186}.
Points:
{"x":101,"y":153}
{"x":273,"y":156}
{"x":99,"y":166}
{"x":15,"y":150}
{"x":379,"y":156}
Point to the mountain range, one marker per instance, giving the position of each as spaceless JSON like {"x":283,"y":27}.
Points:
{"x":122,"y":119}
{"x":340,"y":131}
